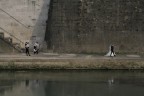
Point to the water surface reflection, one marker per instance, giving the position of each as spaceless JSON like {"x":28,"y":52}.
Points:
{"x":72,"y":83}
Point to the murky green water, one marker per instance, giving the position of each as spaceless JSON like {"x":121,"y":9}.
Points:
{"x":72,"y":83}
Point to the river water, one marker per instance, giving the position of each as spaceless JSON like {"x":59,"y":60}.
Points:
{"x":72,"y":83}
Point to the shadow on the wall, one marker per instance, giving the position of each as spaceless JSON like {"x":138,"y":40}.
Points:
{"x":38,"y":33}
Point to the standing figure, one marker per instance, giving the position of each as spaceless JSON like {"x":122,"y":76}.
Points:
{"x":112,"y":51}
{"x":109,"y":52}
{"x":36,"y":48}
{"x":27,"y":48}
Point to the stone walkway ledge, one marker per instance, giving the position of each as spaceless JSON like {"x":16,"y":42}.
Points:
{"x":54,"y":61}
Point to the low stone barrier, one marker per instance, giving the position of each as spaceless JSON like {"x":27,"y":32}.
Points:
{"x":74,"y":64}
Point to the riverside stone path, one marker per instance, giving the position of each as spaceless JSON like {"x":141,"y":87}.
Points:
{"x":69,"y":61}
{"x":65,"y":56}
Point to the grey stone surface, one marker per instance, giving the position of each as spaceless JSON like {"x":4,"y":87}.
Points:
{"x":90,"y":26}
{"x":24,"y":19}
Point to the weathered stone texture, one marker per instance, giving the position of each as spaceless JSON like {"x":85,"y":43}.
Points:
{"x":24,"y":19}
{"x":90,"y":26}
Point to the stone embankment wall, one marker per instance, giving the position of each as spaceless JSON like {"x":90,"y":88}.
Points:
{"x":90,"y":26}
{"x":24,"y":19}
{"x":6,"y":47}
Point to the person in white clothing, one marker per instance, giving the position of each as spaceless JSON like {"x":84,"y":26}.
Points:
{"x":111,"y":51}
{"x":36,"y":48}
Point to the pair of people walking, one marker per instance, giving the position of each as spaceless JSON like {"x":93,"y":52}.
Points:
{"x":35,"y":49}
{"x":111,"y":52}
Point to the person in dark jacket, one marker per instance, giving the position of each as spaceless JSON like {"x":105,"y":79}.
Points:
{"x":27,"y":48}
{"x":112,"y":51}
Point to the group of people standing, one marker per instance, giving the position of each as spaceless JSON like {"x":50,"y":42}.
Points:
{"x":35,"y":48}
